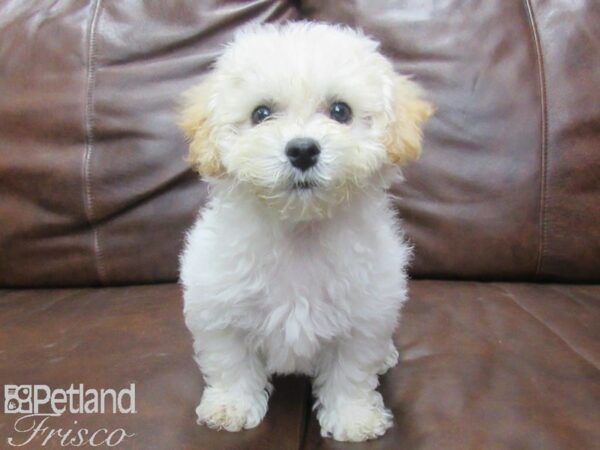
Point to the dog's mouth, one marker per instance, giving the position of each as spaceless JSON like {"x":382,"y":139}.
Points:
{"x":303,"y":185}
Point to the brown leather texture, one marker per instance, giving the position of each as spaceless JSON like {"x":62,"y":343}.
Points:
{"x":94,"y":189}
{"x":483,"y":366}
{"x":93,"y":182}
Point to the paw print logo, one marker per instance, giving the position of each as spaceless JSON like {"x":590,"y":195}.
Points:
{"x":17,"y":399}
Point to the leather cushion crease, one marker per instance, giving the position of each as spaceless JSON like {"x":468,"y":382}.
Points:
{"x":500,"y":338}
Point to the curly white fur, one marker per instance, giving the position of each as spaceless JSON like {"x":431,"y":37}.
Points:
{"x":279,"y":279}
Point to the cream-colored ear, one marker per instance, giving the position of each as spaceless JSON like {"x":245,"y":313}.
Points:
{"x":195,"y":122}
{"x":404,"y":134}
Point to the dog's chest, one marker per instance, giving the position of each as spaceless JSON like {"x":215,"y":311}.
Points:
{"x":306,"y":302}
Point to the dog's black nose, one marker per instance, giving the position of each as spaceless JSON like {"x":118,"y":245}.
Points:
{"x":303,"y":153}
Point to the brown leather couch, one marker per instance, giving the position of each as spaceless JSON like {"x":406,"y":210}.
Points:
{"x":500,"y":341}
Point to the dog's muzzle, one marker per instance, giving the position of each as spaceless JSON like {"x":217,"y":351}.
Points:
{"x":303,"y":153}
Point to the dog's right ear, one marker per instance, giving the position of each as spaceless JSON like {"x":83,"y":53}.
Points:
{"x":195,"y":121}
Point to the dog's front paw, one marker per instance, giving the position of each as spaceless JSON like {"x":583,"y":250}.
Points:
{"x":355,"y":421}
{"x":229,"y":410}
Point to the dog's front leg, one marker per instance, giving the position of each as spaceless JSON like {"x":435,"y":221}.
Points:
{"x":349,"y":407}
{"x":237,"y":387}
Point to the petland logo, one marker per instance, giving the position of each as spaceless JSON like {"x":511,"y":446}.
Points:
{"x":38,"y":404}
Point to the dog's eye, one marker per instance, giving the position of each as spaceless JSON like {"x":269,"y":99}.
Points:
{"x":260,"y":113}
{"x":340,"y":112}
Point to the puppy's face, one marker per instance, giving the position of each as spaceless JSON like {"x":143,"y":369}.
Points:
{"x":303,"y":115}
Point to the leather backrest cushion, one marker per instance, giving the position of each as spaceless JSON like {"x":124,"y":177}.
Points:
{"x":94,"y":188}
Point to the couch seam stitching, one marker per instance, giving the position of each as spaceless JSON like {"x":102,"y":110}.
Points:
{"x":90,"y":139}
{"x":542,"y":224}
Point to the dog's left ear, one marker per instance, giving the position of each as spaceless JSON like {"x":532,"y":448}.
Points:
{"x":410,"y":111}
{"x":194,"y":120}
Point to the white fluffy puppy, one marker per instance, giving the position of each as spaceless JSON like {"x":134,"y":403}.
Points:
{"x":297,"y":264}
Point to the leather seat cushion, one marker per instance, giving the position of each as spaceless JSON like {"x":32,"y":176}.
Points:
{"x":483,"y":365}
